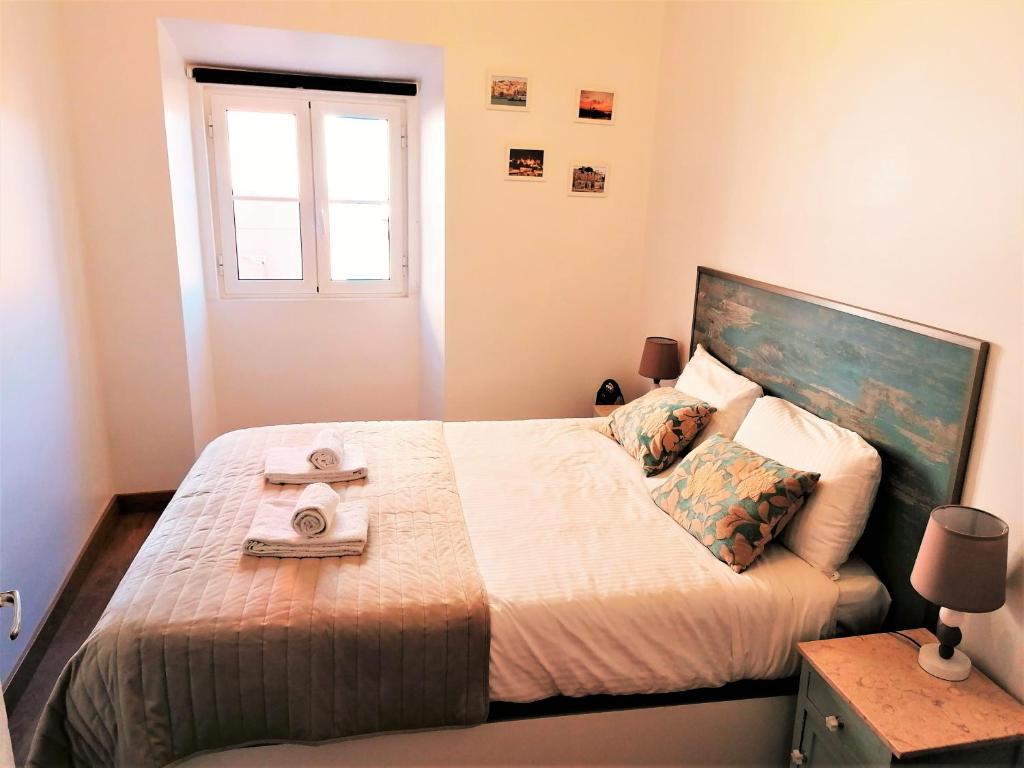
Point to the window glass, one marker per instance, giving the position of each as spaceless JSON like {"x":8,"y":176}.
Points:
{"x":360,"y":242}
{"x":358,"y":190}
{"x":358,"y":158}
{"x":267,"y":240}
{"x":263,"y":153}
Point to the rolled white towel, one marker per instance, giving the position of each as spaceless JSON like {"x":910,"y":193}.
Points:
{"x":327,"y":449}
{"x":290,"y":465}
{"x":270,"y":534}
{"x":315,"y":509}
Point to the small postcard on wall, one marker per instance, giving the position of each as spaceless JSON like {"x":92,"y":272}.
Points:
{"x":588,"y":180}
{"x":524,"y":164}
{"x":511,"y":92}
{"x":595,"y":106}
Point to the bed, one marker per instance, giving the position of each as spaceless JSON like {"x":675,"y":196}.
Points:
{"x":510,"y":562}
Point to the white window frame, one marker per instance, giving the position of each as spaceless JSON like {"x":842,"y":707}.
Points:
{"x":227,"y":257}
{"x":310,"y":109}
{"x":394,"y":113}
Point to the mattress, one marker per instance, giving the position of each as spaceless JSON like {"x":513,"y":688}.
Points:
{"x":593,"y":589}
{"x":863,"y":598}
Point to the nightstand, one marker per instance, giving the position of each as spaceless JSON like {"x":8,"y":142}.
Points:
{"x":606,"y":410}
{"x":864,"y":700}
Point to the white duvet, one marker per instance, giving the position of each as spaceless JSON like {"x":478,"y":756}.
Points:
{"x":593,"y":589}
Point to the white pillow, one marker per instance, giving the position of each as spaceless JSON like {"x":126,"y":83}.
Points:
{"x":707,"y":379}
{"x":825,"y":531}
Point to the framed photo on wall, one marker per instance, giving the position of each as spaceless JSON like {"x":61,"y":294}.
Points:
{"x":588,"y":179}
{"x":508,"y":92}
{"x":523,"y":164}
{"x":595,"y":105}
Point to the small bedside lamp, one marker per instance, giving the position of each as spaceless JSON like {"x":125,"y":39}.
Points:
{"x":660,"y":359}
{"x":961,"y":567}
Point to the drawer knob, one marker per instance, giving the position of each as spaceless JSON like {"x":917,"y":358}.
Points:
{"x":796,"y":757}
{"x":833,"y":723}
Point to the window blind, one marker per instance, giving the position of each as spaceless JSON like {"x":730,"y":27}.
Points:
{"x":307,"y":82}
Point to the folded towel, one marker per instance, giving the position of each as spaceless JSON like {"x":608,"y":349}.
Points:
{"x":326,"y":449}
{"x":271,"y":534}
{"x":290,"y":465}
{"x":315,"y":509}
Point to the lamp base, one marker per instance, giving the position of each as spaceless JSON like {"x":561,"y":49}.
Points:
{"x":956,"y":668}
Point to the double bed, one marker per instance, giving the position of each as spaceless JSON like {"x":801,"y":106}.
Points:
{"x":507,"y":562}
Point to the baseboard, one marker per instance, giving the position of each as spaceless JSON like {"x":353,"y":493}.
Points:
{"x":119,"y":504}
{"x":151,"y":501}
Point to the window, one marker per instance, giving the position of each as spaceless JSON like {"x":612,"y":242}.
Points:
{"x":309,"y":193}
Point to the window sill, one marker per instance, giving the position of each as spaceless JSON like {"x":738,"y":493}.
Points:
{"x":311,"y":297}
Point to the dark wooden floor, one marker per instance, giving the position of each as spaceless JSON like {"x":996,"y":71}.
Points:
{"x":75,"y":616}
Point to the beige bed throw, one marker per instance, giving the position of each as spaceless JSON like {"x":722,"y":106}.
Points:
{"x":203,"y":648}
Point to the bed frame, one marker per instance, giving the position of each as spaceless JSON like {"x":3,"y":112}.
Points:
{"x":910,"y":390}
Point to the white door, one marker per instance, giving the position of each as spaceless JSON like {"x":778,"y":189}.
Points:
{"x":12,"y":599}
{"x":6,"y":753}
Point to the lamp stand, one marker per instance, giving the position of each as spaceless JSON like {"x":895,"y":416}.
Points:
{"x":943,"y":659}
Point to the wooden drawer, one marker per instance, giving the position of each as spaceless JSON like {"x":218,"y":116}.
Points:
{"x":853,"y":740}
{"x":818,"y":747}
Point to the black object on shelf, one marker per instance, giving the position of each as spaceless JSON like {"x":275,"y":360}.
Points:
{"x":609,"y":393}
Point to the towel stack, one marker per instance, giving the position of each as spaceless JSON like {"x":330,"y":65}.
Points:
{"x":317,"y":525}
{"x":326,"y":460}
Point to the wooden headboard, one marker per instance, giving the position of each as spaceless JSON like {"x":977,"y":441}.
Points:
{"x":910,"y":390}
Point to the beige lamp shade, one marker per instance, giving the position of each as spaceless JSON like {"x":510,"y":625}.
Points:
{"x":660,"y":359}
{"x":962,"y":561}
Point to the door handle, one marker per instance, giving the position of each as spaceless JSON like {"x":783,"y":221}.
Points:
{"x":11,"y":597}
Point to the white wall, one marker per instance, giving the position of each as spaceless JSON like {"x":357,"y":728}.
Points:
{"x":524,"y":263}
{"x":432,"y":245}
{"x":199,"y":357}
{"x":868,"y":152}
{"x":119,"y":150}
{"x":55,"y":474}
{"x":540,"y":285}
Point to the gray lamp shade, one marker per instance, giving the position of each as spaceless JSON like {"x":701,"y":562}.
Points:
{"x":660,"y":359}
{"x":962,"y":561}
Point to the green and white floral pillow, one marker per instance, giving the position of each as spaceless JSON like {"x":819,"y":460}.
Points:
{"x":656,"y":428}
{"x":733,"y":500}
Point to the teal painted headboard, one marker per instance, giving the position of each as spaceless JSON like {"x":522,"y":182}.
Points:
{"x":910,"y":390}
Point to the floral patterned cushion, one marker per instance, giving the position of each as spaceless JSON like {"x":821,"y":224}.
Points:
{"x":732,"y":500}
{"x":656,"y":428}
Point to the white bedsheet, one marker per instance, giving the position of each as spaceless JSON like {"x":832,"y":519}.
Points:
{"x":593,"y":589}
{"x":863,"y":598}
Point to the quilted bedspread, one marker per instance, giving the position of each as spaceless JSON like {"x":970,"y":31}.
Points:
{"x":203,"y":648}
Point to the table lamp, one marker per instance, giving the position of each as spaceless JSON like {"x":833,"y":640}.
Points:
{"x":660,"y":359}
{"x":961,"y":567}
